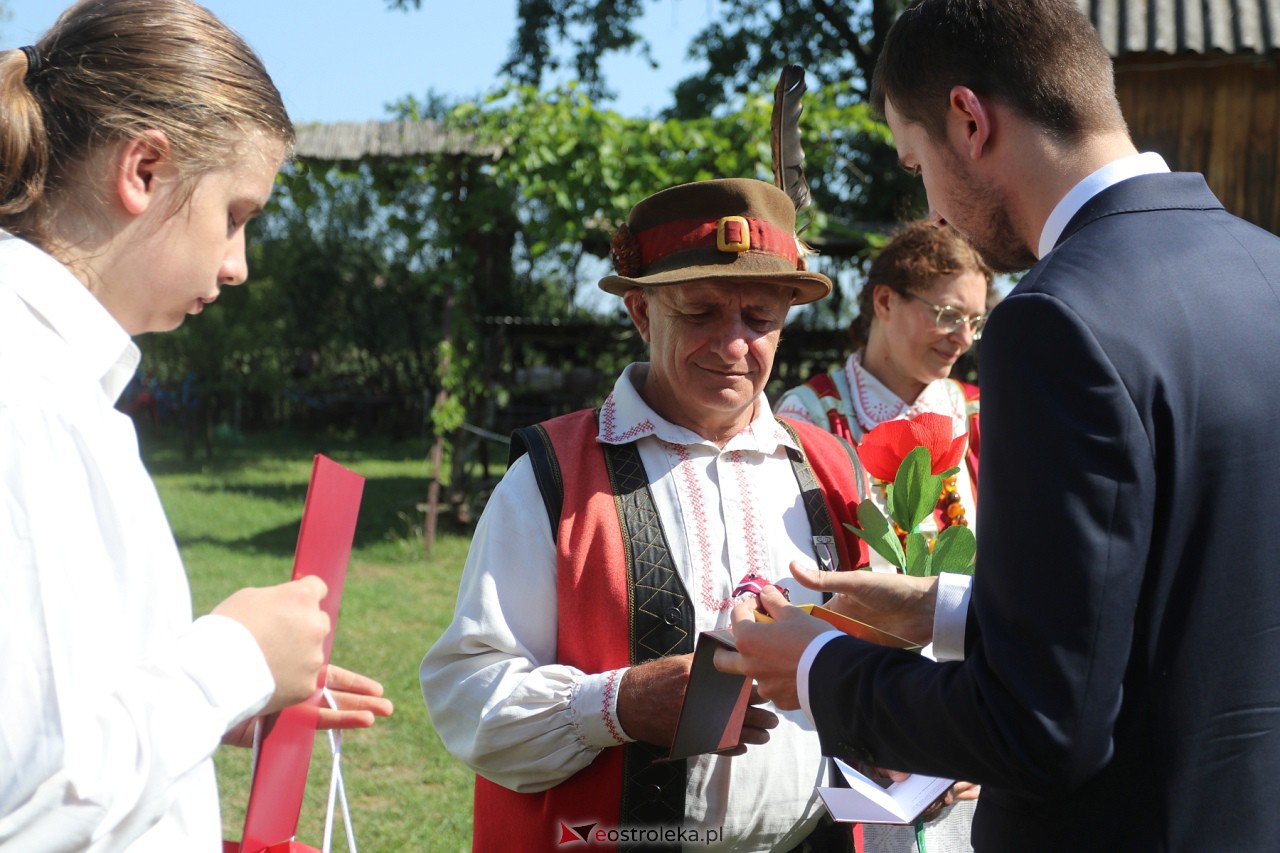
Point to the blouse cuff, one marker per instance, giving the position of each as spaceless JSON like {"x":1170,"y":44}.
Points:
{"x":222,"y":656}
{"x":594,"y":704}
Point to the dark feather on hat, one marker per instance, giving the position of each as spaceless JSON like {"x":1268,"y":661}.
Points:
{"x":788,"y":154}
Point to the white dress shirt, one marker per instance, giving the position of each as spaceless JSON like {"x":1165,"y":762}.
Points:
{"x":501,"y":702}
{"x":952,"y":607}
{"x":114,"y":700}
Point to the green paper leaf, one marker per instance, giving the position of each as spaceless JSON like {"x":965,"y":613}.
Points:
{"x":955,"y":550}
{"x":878,"y":533}
{"x":918,"y":555}
{"x":915,"y":490}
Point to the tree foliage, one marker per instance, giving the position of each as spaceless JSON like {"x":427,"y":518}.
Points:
{"x":743,"y":49}
{"x":577,"y":169}
{"x":375,"y":283}
{"x":743,"y":45}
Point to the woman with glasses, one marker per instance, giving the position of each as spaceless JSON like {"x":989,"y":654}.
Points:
{"x":922,"y":307}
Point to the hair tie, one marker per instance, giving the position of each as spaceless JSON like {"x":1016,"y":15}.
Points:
{"x":33,"y":60}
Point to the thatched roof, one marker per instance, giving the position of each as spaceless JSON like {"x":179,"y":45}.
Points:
{"x":1186,"y":26}
{"x":395,"y":139}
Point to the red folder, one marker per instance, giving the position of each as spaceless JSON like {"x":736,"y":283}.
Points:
{"x":286,"y":740}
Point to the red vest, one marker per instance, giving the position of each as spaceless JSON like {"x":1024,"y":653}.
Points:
{"x":591,"y":592}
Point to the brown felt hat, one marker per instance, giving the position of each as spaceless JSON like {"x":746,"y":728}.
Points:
{"x":736,"y":228}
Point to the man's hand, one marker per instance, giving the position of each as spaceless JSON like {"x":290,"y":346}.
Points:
{"x":899,"y":604}
{"x":756,"y":724}
{"x":359,"y":702}
{"x":289,"y":626}
{"x":770,"y":652}
{"x":649,"y":698}
{"x":651,"y":695}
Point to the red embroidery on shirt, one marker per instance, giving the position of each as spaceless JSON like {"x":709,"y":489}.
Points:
{"x":611,"y":687}
{"x":609,"y":425}
{"x":752,"y":526}
{"x":699,"y":534}
{"x":877,"y":413}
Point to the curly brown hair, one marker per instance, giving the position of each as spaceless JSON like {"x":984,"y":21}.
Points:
{"x":918,"y":254}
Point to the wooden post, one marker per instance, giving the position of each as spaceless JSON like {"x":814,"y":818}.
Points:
{"x":442,"y":395}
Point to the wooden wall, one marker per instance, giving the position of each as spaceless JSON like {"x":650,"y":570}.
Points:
{"x":1215,"y":114}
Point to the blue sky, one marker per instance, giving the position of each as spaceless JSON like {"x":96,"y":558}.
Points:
{"x":344,"y":60}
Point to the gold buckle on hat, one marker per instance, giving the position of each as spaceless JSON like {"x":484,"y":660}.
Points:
{"x":733,"y":234}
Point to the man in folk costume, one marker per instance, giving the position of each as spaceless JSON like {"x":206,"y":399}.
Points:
{"x":625,"y":531}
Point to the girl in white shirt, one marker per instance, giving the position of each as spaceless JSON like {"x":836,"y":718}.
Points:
{"x":139,"y":136}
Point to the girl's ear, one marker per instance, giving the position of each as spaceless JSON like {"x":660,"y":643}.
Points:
{"x":140,"y":161}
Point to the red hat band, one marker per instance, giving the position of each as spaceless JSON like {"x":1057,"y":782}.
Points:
{"x":731,"y":234}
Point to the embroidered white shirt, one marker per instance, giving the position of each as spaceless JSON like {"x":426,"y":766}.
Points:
{"x":114,"y":699}
{"x":502,"y":704}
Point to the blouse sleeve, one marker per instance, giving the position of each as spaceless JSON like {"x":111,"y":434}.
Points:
{"x":112,"y":695}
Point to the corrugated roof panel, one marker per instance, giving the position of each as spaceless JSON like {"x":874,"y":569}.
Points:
{"x":1164,"y":35}
{"x":1186,"y":26}
{"x":1134,"y":36}
{"x":357,"y":140}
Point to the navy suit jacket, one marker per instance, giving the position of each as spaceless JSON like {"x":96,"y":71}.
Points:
{"x":1121,"y":687}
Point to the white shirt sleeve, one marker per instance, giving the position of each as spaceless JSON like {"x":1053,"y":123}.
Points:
{"x":114,"y":700}
{"x":805,"y":664}
{"x":950,"y":614}
{"x":496,"y":696}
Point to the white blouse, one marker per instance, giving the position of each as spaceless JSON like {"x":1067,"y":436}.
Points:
{"x":114,"y":699}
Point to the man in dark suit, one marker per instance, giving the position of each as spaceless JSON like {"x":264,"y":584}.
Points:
{"x":1120,"y":687}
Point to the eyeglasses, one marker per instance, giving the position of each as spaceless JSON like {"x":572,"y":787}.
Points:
{"x":949,"y":319}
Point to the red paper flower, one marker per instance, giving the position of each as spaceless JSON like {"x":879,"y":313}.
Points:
{"x":883,"y":448}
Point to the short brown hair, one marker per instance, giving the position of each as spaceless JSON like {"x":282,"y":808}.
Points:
{"x":919,"y":254}
{"x":1041,"y":57}
{"x":111,"y":69}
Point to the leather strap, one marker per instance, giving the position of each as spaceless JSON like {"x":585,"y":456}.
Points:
{"x":661,"y":613}
{"x":662,"y":624}
{"x":535,"y":441}
{"x":815,"y":504}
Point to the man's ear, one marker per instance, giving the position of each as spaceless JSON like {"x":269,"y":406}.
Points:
{"x":141,"y":160}
{"x":638,"y":307}
{"x":969,"y":114}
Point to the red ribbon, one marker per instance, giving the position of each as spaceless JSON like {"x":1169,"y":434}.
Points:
{"x":664,"y":240}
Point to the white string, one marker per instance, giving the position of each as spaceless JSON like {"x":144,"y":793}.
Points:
{"x":337,"y":789}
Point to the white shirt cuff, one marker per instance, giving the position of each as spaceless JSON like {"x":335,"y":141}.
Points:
{"x":225,"y":660}
{"x":594,"y":704}
{"x":950,"y":614}
{"x":802,"y":668}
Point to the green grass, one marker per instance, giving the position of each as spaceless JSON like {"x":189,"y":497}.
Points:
{"x":236,"y":520}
